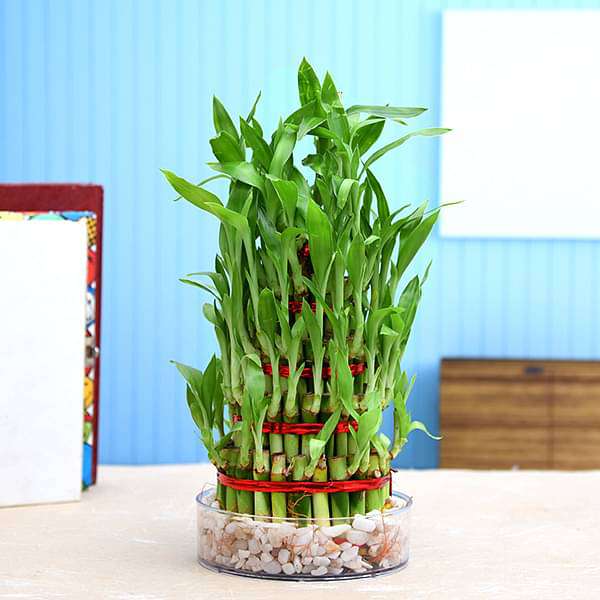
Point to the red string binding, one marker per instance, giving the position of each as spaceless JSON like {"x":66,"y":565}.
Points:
{"x":304,"y":487}
{"x":301,"y":428}
{"x":284,"y":370}
{"x":295,"y":306}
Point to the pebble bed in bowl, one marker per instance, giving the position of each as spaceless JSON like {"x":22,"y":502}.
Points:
{"x":262,"y":547}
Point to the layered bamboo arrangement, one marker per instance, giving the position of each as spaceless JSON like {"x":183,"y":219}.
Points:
{"x":307,"y":311}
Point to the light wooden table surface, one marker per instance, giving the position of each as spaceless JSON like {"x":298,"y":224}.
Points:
{"x":480,"y":535}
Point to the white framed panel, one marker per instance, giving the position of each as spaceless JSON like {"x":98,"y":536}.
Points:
{"x":42,"y":319}
{"x":521,"y":90}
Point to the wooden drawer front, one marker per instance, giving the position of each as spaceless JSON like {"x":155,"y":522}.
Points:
{"x":530,"y":414}
{"x":576,"y":448}
{"x":576,"y":403}
{"x":514,"y":403}
{"x":503,"y":370}
{"x":495,"y":448}
{"x":584,"y":371}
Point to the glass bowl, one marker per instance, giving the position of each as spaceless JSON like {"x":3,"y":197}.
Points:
{"x":300,"y":550}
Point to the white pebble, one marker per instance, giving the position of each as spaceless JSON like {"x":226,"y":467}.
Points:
{"x":363,"y":524}
{"x":265,"y":557}
{"x":307,"y":560}
{"x":302,"y":540}
{"x":349,"y":553}
{"x":253,"y":546}
{"x":345,"y":545}
{"x":243,"y":553}
{"x":272,"y":568}
{"x":298,"y":565}
{"x":286,"y":529}
{"x":321,"y":561}
{"x":335,"y":570}
{"x":231,"y":528}
{"x":354,"y":564}
{"x":283,"y":556}
{"x":288,"y":569}
{"x":319,"y":571}
{"x":336,"y":530}
{"x":357,"y":537}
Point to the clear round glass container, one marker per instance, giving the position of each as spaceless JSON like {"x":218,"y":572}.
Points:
{"x":294,"y":549}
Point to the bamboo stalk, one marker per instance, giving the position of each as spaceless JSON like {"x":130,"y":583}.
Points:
{"x":262,"y":500}
{"x":245,"y":499}
{"x":308,"y":416}
{"x":320,"y":501}
{"x":231,"y":494}
{"x":340,"y":501}
{"x":373,"y":497}
{"x":299,"y":505}
{"x":278,"y":499}
{"x":357,"y":499}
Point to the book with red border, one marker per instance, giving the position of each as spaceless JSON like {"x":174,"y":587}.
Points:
{"x":68,"y":198}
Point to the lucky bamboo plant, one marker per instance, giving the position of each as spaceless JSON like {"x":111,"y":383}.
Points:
{"x":307,"y":311}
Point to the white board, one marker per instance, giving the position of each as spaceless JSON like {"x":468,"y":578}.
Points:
{"x":42,"y":324}
{"x":521,"y":90}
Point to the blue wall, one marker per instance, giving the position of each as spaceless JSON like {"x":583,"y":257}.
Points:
{"x":108,"y":92}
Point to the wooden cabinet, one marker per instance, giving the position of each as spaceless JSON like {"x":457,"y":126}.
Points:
{"x":502,"y":414}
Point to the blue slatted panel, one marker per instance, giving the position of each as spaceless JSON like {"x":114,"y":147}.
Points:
{"x":110,"y":91}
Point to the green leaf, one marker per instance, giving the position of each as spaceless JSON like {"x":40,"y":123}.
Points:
{"x":202,"y":286}
{"x":226,"y":148}
{"x":383,"y":209}
{"x":389,"y":112}
{"x":209,"y":387}
{"x":253,"y":109}
{"x":241,"y":171}
{"x":195,"y":409}
{"x":356,"y":263}
{"x":283,"y":150}
{"x":318,"y":443}
{"x":229,"y":217}
{"x":367,"y":135}
{"x":311,"y":325}
{"x":345,"y":190}
{"x":267,"y":313}
{"x":222,"y":120}
{"x":432,"y":131}
{"x":320,"y":237}
{"x":219,"y":280}
{"x":329,"y":93}
{"x":421,"y":427}
{"x":191,"y":375}
{"x":410,"y":245}
{"x":308,"y":124}
{"x":261,"y":152}
{"x":197,"y":195}
{"x":344,"y":382}
{"x":368,"y":424}
{"x":374,"y":323}
{"x":309,"y":88}
{"x":287,"y":192}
